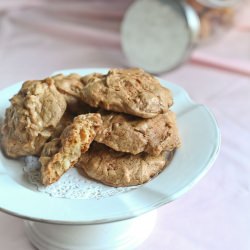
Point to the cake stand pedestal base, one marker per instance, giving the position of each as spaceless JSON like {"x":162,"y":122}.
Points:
{"x":122,"y":235}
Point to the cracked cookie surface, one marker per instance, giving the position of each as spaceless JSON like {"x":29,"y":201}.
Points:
{"x":71,"y":86}
{"x":61,"y":154}
{"x":65,"y":121}
{"x":126,"y":133}
{"x":34,"y":113}
{"x":121,"y":169}
{"x":130,"y":91}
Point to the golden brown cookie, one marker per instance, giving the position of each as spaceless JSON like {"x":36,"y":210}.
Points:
{"x":63,"y":153}
{"x":49,"y":150}
{"x":121,"y":169}
{"x":71,"y":87}
{"x":65,"y":121}
{"x":70,"y":84}
{"x":130,"y":91}
{"x":130,"y":134}
{"x":32,"y":117}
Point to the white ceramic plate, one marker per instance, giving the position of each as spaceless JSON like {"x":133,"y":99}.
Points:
{"x":200,"y":145}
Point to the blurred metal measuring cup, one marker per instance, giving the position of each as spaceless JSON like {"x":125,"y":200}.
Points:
{"x":159,"y":35}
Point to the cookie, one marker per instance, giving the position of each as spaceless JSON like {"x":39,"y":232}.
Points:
{"x":49,"y":150}
{"x":59,"y":155}
{"x":71,"y":86}
{"x":32,"y":117}
{"x":65,"y":121}
{"x":130,"y":91}
{"x":130,"y":134}
{"x":121,"y":169}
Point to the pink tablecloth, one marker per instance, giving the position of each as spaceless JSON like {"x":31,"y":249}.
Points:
{"x":39,"y":37}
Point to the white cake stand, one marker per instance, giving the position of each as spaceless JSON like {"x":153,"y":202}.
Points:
{"x":117,"y":222}
{"x":126,"y":234}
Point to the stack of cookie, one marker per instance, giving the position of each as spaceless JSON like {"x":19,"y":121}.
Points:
{"x":125,"y":113}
